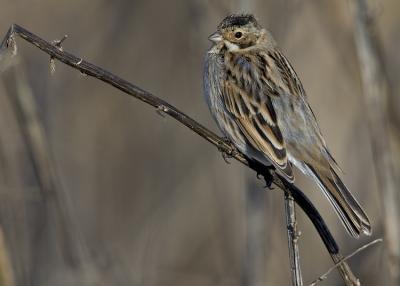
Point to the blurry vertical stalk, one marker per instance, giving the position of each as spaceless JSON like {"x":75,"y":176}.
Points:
{"x":6,"y":272}
{"x":257,"y":222}
{"x":376,"y":94}
{"x":57,"y":208}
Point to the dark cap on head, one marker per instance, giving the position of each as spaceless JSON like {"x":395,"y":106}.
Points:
{"x":237,"y":20}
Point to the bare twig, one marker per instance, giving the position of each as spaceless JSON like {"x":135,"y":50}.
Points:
{"x":325,"y":275}
{"x":376,"y":94}
{"x":293,"y":235}
{"x":161,"y":105}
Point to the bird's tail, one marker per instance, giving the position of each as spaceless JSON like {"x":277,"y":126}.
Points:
{"x":346,"y":206}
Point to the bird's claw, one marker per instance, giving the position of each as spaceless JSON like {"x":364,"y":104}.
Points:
{"x":269,"y":178}
{"x":227,"y":140}
{"x":227,"y":154}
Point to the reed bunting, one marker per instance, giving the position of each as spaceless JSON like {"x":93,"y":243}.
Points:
{"x":260,"y":105}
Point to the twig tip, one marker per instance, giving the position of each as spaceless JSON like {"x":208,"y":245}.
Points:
{"x":325,"y":275}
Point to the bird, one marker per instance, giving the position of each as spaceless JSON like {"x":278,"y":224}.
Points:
{"x":261,"y":107}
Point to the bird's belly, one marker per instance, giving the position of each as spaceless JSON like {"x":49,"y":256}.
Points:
{"x":213,"y":74}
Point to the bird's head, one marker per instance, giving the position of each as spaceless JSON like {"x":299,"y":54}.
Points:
{"x":238,"y":32}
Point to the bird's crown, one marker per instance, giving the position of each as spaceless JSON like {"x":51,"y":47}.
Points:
{"x":238,"y":20}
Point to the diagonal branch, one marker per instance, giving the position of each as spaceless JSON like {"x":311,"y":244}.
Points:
{"x":56,"y":52}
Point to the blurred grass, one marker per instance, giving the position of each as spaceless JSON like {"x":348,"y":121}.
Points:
{"x":6,"y":271}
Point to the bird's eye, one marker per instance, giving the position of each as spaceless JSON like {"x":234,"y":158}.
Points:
{"x":238,"y":35}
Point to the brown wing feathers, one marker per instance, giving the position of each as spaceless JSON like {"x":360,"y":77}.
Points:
{"x":249,"y":103}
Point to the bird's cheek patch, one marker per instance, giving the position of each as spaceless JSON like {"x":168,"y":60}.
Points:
{"x":231,"y":46}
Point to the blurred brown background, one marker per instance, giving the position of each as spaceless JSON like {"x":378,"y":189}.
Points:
{"x":150,"y":202}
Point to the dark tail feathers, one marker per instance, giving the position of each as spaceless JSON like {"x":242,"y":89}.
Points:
{"x":346,"y":206}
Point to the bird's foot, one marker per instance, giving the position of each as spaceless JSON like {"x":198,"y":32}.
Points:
{"x":263,"y":172}
{"x":269,"y":177}
{"x":227,"y":154}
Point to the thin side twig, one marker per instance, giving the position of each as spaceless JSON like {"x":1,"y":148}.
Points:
{"x":376,"y":95}
{"x":166,"y":108}
{"x":325,"y":275}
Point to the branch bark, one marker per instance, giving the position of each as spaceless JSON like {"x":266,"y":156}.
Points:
{"x":376,"y":95}
{"x":293,"y":236}
{"x":56,"y":52}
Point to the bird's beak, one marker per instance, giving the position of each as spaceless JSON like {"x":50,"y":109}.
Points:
{"x":215,"y":37}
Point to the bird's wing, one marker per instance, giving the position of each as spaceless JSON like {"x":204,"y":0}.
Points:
{"x":285,"y":76}
{"x":294,"y":86}
{"x":247,"y":98}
